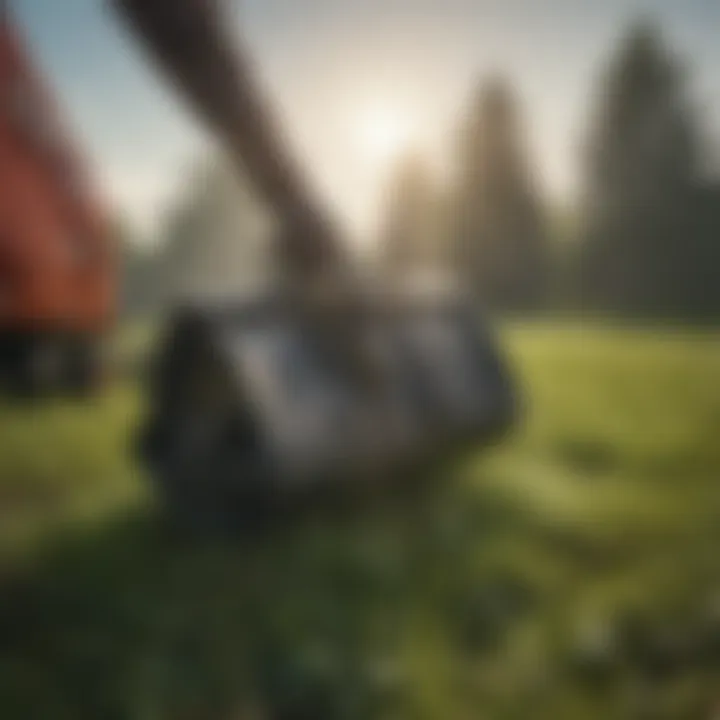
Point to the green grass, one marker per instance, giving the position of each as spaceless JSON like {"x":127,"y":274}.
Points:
{"x":571,"y":573}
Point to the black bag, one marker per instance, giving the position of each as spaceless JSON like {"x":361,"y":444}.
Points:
{"x":250,"y":402}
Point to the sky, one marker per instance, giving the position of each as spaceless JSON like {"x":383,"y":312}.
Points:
{"x":356,"y":83}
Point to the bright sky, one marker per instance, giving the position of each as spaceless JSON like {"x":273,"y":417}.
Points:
{"x":356,"y":80}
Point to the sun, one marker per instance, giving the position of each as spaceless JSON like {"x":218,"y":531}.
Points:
{"x":384,"y":133}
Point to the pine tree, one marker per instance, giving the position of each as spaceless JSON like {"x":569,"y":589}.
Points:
{"x":642,"y":249}
{"x":498,"y":234}
{"x":409,"y":232}
{"x":217,"y":238}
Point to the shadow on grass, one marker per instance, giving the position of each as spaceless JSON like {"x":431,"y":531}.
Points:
{"x":329,"y":615}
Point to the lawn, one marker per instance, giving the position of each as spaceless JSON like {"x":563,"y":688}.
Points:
{"x":569,"y":573}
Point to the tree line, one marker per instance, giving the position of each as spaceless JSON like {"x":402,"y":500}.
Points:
{"x":643,"y":239}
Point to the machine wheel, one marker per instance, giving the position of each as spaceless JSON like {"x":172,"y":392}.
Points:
{"x":83,"y":366}
{"x":44,"y":364}
{"x":32,"y":364}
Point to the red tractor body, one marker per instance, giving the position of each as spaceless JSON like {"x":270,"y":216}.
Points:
{"x":57,"y":269}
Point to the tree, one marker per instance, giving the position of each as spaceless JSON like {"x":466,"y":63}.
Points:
{"x":644,"y":246}
{"x":409,"y":233}
{"x":217,"y":238}
{"x":499,"y":235}
{"x":137,"y":287}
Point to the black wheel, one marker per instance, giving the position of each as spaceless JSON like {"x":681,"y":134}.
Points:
{"x":32,"y":364}
{"x":83,"y":366}
{"x":46,"y":365}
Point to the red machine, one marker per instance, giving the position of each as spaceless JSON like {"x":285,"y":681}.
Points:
{"x":57,"y":270}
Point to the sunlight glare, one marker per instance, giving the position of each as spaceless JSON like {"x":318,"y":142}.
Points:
{"x":384,"y":133}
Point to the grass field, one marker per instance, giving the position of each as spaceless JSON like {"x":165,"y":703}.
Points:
{"x":572,"y":572}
